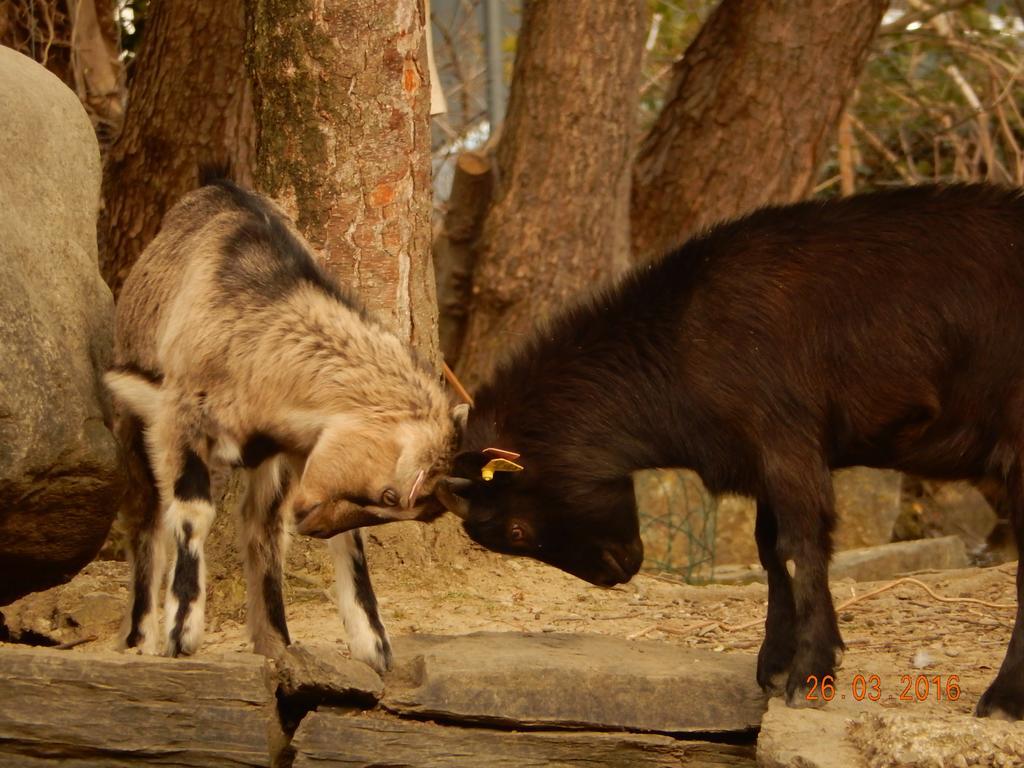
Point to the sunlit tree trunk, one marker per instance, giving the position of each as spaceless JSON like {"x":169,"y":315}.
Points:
{"x":190,"y":105}
{"x":344,"y":145}
{"x":748,"y":117}
{"x":559,"y":221}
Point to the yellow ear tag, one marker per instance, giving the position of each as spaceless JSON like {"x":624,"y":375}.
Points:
{"x":498,"y":465}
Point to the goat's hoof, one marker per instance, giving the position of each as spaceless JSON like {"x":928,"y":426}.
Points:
{"x":375,"y":652}
{"x":773,"y":665}
{"x":805,"y":697}
{"x":1001,"y":702}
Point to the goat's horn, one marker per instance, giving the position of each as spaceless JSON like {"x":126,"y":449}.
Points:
{"x":457,"y":485}
{"x":450,"y":491}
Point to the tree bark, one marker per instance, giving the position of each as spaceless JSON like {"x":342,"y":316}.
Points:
{"x":455,"y":247}
{"x":190,"y":105}
{"x":748,"y":115}
{"x":560,"y":219}
{"x":343,"y":100}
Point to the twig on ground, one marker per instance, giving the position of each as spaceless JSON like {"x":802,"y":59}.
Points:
{"x":73,"y":643}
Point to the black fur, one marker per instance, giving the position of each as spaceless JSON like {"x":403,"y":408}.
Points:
{"x":265,"y":260}
{"x":140,"y":470}
{"x":259,"y":447}
{"x":185,"y":586}
{"x":194,"y":481}
{"x":884,"y":330}
{"x":274,"y":596}
{"x":140,"y":606}
{"x":367,"y":599}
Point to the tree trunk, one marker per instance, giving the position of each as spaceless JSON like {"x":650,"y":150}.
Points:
{"x":455,"y":247}
{"x":560,"y":217}
{"x":190,"y":105}
{"x":343,"y":99}
{"x":748,"y":115}
{"x":343,"y":111}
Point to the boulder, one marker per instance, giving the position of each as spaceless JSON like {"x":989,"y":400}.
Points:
{"x":867,"y":505}
{"x":934,"y":509}
{"x":59,"y":471}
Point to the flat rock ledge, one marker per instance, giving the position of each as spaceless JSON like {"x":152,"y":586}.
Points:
{"x":562,"y":680}
{"x":485,"y":699}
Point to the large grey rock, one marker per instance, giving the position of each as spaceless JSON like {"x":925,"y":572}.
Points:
{"x":516,"y":680}
{"x":344,"y":738}
{"x":59,"y":473}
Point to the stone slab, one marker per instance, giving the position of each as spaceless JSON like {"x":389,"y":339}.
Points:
{"x":340,"y":738}
{"x":806,"y":738}
{"x":886,"y":561}
{"x":320,"y":672}
{"x":590,"y":681}
{"x":112,"y":709}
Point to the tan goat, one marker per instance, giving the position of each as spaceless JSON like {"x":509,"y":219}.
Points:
{"x":233,"y":349}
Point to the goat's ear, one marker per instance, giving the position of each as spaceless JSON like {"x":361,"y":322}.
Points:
{"x":460,"y":416}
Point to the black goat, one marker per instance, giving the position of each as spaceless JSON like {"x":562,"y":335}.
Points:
{"x":884,"y":330}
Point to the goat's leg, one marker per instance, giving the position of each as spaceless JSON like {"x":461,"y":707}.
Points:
{"x":800,"y":494}
{"x":264,"y":541}
{"x":779,"y":646}
{"x":1004,"y":699}
{"x":139,"y":516}
{"x":184,"y":481}
{"x":367,"y":639}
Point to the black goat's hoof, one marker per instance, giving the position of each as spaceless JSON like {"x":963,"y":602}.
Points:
{"x":1001,"y":702}
{"x":773,"y":664}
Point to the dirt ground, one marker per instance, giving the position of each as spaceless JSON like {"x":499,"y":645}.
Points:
{"x":428,"y":580}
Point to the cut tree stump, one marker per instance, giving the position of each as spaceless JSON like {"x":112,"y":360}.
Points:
{"x":338,"y":738}
{"x":111,"y":709}
{"x":573,"y":681}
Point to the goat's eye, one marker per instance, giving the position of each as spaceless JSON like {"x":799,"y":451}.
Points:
{"x":389,"y":498}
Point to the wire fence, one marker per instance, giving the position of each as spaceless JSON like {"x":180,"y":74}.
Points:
{"x":678,"y":521}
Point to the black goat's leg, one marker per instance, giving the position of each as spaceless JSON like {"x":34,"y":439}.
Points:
{"x":264,"y":540}
{"x":367,"y":638}
{"x":139,"y":517}
{"x":800,"y":494}
{"x":779,"y":646}
{"x":1005,"y":697}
